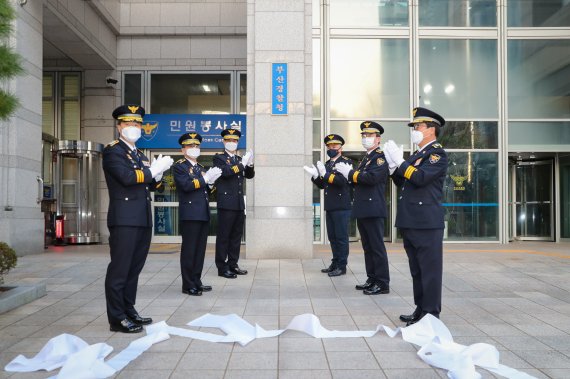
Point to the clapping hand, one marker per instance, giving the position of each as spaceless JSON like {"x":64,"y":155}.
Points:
{"x":311,"y":171}
{"x":212,"y":175}
{"x":321,"y":168}
{"x":343,"y":168}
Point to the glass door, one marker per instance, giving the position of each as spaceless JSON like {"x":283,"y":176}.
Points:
{"x":533,"y":206}
{"x":166,"y":228}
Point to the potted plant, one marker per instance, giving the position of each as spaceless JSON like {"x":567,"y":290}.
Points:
{"x":8,"y":260}
{"x":10,"y":62}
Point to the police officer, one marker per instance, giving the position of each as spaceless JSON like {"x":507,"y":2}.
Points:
{"x":231,"y":204}
{"x":420,"y":211}
{"x":369,"y":207}
{"x":130,"y":177}
{"x":192,"y":182}
{"x":337,"y":202}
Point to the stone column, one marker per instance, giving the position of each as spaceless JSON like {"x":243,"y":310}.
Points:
{"x":21,"y":221}
{"x":279,"y":210}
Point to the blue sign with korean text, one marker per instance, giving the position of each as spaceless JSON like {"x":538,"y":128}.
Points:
{"x":279,"y":88}
{"x":161,"y":131}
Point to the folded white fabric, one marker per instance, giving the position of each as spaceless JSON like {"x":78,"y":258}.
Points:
{"x":81,"y":361}
{"x":53,"y":355}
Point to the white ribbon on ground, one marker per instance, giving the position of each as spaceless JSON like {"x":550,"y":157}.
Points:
{"x":438,"y":349}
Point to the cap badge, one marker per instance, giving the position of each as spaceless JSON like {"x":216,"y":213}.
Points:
{"x":193,"y":135}
{"x":415,"y":111}
{"x":133,"y":108}
{"x":367,"y":124}
{"x":231,"y":131}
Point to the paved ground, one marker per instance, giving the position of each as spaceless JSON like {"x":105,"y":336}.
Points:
{"x":515,"y":297}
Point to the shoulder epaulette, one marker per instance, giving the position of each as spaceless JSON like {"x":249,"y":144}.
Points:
{"x":379,"y":150}
{"x":200,"y":165}
{"x":113,"y":143}
{"x":437,"y":145}
{"x":181,"y":160}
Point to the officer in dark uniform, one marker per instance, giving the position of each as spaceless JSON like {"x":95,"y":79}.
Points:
{"x":192,"y":182}
{"x":130,"y":177}
{"x":369,"y":207}
{"x":231,"y":204}
{"x":420,"y":211}
{"x":337,"y":202}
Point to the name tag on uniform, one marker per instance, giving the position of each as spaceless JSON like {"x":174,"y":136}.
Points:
{"x":417,"y":163}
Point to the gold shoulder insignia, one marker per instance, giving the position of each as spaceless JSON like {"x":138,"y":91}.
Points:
{"x":201,"y":165}
{"x":379,"y":150}
{"x":437,"y":145}
{"x":113,"y":143}
{"x":180,"y":160}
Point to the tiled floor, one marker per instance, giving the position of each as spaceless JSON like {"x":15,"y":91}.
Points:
{"x":515,"y":297}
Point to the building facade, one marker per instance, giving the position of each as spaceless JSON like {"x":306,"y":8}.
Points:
{"x":497,"y":70}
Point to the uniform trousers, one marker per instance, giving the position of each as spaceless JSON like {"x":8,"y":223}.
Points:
{"x":424,"y":248}
{"x":129,"y":248}
{"x":192,"y":252}
{"x":337,"y":231}
{"x":228,"y":238}
{"x":375,"y":257}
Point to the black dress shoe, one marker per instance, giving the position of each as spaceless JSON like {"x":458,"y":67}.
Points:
{"x":125,"y":326}
{"x":205,"y":288}
{"x":238,"y":271}
{"x":337,"y":272}
{"x":364,"y":286}
{"x":328,"y":269}
{"x":192,"y":292}
{"x":413,"y":317}
{"x":139,"y":320}
{"x":227,"y":274}
{"x":376,"y":289}
{"x":412,"y":322}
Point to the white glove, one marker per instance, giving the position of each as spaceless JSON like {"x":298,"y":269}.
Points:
{"x":246,"y":160}
{"x":321,"y":168}
{"x":250,"y":163}
{"x":311,"y":171}
{"x":396,"y":154}
{"x":160,"y":164}
{"x":212,"y":175}
{"x":343,"y":168}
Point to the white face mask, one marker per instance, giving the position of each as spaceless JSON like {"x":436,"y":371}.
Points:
{"x":368,"y":142}
{"x":230,"y":146}
{"x":131,"y":133}
{"x":417,"y":137}
{"x":193,"y":152}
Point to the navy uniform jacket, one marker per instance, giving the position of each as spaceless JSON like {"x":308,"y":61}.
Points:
{"x":194,"y":204}
{"x":229,"y":187}
{"x":129,"y":181}
{"x":369,"y":183}
{"x":421,"y":179}
{"x":337,"y":188}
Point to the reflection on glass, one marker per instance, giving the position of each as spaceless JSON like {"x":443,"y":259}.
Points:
{"x":316,"y":204}
{"x":458,"y":78}
{"x":398,"y":131}
{"x":48,"y":116}
{"x":316,"y":78}
{"x":564,"y":164}
{"x":368,"y":13}
{"x":190,"y":93}
{"x":69,"y":104}
{"x":543,"y":13}
{"x":546,"y":135}
{"x":133,"y":89}
{"x":316,"y":134}
{"x":242,"y":93}
{"x":462,"y":13}
{"x":538,"y":78}
{"x":471,"y":197}
{"x":469,"y":135}
{"x":369,"y":78}
{"x":534,"y":199}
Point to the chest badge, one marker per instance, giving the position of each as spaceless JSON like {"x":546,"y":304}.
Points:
{"x":380,"y":161}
